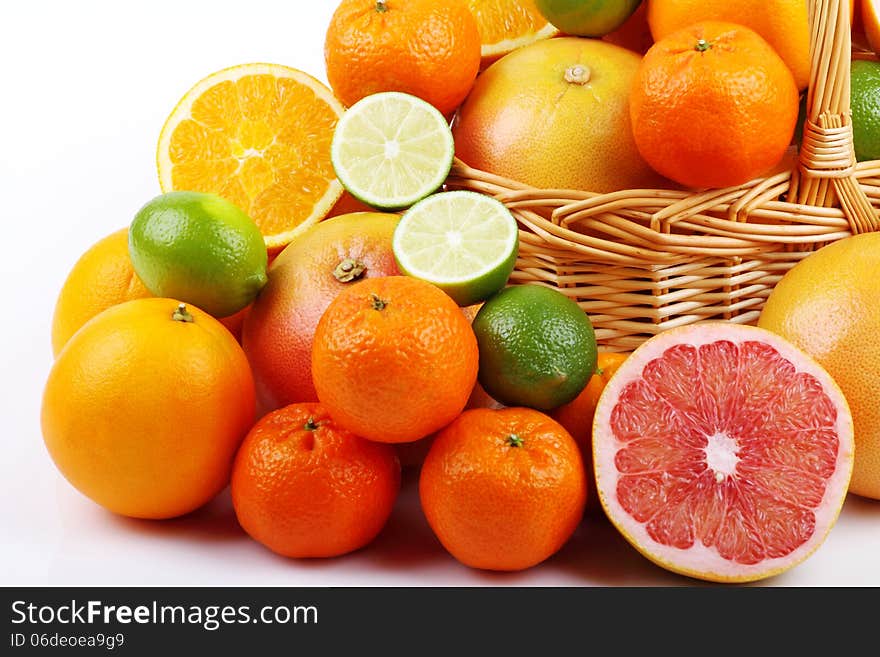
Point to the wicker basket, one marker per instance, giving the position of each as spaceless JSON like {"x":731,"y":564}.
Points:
{"x":643,"y":261}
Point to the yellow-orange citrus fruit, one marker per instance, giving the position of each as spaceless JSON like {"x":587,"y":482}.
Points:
{"x":554,"y":115}
{"x":577,"y":415}
{"x":713,"y":105}
{"x":413,"y":454}
{"x":827,"y":306}
{"x":503,"y":489}
{"x":304,"y":487}
{"x":506,"y":25}
{"x":145,"y":407}
{"x":782,"y":23}
{"x":102,"y":277}
{"x":259,"y":136}
{"x":421,"y":47}
{"x":394,"y":359}
{"x":870,"y":15}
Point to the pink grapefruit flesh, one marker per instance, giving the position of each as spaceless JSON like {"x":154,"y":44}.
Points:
{"x":722,"y":452}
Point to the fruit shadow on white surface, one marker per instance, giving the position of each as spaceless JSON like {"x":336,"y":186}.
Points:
{"x":208,"y":548}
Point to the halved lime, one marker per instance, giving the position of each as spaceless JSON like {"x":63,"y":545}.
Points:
{"x":465,"y":243}
{"x":392,"y":149}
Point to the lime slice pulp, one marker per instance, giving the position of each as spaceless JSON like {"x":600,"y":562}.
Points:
{"x":392,"y":149}
{"x":463,"y":242}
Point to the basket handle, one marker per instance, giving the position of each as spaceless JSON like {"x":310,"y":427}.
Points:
{"x":827,"y":156}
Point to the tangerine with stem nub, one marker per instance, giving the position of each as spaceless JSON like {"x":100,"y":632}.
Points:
{"x":503,"y":489}
{"x":394,"y":344}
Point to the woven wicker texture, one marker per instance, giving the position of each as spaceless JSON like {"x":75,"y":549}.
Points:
{"x":643,"y":261}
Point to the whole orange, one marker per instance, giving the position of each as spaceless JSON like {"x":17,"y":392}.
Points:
{"x":413,"y":454}
{"x":827,"y":306}
{"x":577,"y":415}
{"x":304,"y":487}
{"x":782,"y":23}
{"x":145,"y":406}
{"x":316,"y":266}
{"x":713,"y":105}
{"x":503,"y":489}
{"x":554,"y":115}
{"x":425,"y":48}
{"x":102,"y":277}
{"x":394,"y":359}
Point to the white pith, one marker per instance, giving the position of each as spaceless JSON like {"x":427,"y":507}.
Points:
{"x":721,"y":455}
{"x":418,"y":219}
{"x":546,"y":32}
{"x":699,"y":560}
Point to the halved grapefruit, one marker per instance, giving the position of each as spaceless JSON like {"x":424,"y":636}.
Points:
{"x":722,"y":452}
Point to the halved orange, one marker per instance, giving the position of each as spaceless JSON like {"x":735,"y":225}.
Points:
{"x":258,"y":135}
{"x":506,"y":25}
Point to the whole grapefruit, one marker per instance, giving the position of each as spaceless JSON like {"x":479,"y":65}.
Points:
{"x":827,"y":306}
{"x":303,"y":280}
{"x":554,"y":114}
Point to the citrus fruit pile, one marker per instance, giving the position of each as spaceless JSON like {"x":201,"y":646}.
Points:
{"x":306,"y":308}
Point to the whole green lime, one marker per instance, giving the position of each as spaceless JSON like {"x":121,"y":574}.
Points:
{"x":200,"y":249}
{"x":537,"y":347}
{"x":589,"y":18}
{"x":865,"y":104}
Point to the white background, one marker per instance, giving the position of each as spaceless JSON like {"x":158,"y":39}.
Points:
{"x":86,"y":87}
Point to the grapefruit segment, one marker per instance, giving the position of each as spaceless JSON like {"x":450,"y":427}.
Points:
{"x":722,"y":452}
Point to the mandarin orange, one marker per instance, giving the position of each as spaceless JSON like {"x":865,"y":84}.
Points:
{"x":577,"y":415}
{"x":503,"y":489}
{"x":713,"y":105}
{"x":394,"y":359}
{"x":304,"y":487}
{"x":782,"y":23}
{"x":420,"y":47}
